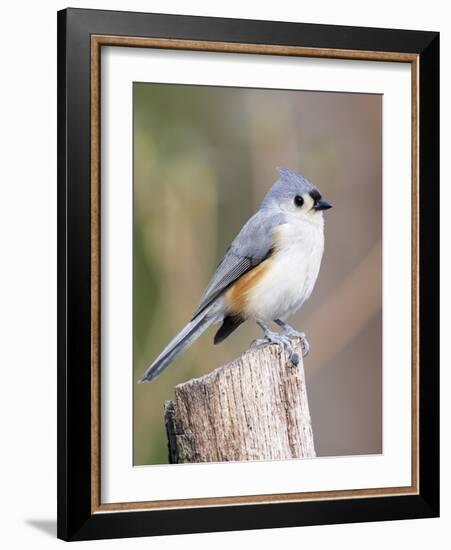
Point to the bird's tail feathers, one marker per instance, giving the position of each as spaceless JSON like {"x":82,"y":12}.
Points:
{"x":181,"y":342}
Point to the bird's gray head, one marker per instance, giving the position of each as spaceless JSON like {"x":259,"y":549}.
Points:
{"x":293,"y":193}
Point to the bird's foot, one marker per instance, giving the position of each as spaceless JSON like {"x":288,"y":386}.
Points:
{"x":289,"y":331}
{"x":281,"y":340}
{"x":301,"y":335}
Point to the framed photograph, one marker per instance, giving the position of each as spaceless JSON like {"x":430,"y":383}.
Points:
{"x":248,"y":274}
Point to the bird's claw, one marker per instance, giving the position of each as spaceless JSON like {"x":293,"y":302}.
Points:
{"x":282,"y":340}
{"x":304,"y":345}
{"x":290,"y":331}
{"x":259,"y":342}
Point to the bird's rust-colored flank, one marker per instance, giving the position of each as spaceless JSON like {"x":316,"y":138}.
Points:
{"x":237,"y":295}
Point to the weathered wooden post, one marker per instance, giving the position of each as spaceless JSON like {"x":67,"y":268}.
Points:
{"x":254,"y":408}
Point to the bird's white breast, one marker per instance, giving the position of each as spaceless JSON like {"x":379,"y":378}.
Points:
{"x":292,"y":271}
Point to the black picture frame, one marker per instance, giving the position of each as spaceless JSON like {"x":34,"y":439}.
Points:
{"x":76,"y":519}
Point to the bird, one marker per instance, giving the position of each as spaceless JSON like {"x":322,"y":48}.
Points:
{"x":266,"y":274}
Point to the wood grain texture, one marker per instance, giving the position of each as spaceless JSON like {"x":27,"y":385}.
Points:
{"x":255,"y":408}
{"x":259,"y":49}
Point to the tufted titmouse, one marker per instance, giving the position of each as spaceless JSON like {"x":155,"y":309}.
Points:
{"x":267,"y":273}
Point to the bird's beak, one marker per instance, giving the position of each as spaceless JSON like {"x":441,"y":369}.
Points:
{"x":322,"y":204}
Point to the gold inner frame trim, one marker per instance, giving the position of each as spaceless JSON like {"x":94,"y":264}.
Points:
{"x":97,"y":41}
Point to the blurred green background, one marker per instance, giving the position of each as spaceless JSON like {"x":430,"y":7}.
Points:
{"x":203,"y":159}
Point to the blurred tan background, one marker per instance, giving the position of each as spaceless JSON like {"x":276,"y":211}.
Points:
{"x":203,"y":159}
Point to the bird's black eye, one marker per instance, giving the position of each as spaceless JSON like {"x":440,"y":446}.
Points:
{"x":298,"y":200}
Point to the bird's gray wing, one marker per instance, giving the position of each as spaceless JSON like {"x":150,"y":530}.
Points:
{"x":249,"y":248}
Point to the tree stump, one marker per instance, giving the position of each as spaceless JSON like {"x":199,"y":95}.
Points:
{"x":254,"y":408}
